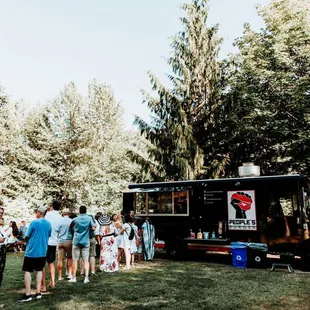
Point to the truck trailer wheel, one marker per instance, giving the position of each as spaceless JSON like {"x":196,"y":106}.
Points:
{"x":176,"y":249}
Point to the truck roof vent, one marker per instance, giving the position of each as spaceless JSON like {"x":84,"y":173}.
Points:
{"x":249,"y":170}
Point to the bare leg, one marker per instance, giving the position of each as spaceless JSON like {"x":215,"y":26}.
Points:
{"x":92,"y":263}
{"x":27,"y":279}
{"x":59,"y":267}
{"x":69,"y":266}
{"x":132,"y":259}
{"x":43,"y":283}
{"x":119,"y":256}
{"x":38,"y":280}
{"x":51,"y":267}
{"x":86,"y":268}
{"x":127,"y":256}
{"x":74,"y":268}
{"x":82,"y":271}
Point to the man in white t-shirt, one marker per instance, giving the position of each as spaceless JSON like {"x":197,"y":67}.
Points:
{"x":55,"y":220}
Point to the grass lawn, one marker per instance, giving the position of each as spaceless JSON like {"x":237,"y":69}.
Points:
{"x":167,"y":285}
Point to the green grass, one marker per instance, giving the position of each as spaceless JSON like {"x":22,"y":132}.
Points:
{"x":167,"y":285}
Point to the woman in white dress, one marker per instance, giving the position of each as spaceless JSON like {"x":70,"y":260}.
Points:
{"x":133,"y":244}
{"x":126,"y":243}
{"x":108,"y":245}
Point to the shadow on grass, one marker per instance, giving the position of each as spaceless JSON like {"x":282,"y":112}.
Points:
{"x":167,"y":285}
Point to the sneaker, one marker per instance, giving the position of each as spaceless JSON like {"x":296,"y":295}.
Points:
{"x":38,"y":295}
{"x":69,"y":276}
{"x":60,"y":279}
{"x":25,"y":298}
{"x":86,"y":280}
{"x":72,"y":280}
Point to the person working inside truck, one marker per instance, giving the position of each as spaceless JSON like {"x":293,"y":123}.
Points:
{"x":281,"y":224}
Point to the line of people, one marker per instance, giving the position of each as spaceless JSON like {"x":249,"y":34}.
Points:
{"x":80,"y":239}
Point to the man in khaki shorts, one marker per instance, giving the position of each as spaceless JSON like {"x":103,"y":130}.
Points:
{"x":80,"y":227}
{"x":92,"y":250}
{"x":65,"y":244}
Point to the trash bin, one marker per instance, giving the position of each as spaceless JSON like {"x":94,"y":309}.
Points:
{"x":239,"y":254}
{"x":257,"y":255}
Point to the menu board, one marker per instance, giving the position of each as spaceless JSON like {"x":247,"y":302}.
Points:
{"x":213,"y":197}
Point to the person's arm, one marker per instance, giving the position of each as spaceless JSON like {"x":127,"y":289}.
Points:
{"x":58,"y":227}
{"x":71,"y":227}
{"x":97,"y":230}
{"x":2,"y":237}
{"x":123,"y":229}
{"x":92,"y":224}
{"x":29,"y":232}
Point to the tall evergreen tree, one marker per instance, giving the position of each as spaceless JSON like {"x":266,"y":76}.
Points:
{"x":268,"y":91}
{"x":183,"y":117}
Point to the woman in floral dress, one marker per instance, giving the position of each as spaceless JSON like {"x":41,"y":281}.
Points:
{"x":108,"y":247}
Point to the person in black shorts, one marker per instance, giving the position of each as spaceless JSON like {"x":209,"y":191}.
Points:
{"x":53,"y":216}
{"x":35,"y":256}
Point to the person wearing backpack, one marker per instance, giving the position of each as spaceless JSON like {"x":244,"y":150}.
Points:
{"x":128,"y":234}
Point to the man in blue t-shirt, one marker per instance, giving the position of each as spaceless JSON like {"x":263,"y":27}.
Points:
{"x":37,"y":237}
{"x":80,"y":228}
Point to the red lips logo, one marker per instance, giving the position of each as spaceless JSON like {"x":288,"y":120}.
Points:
{"x":242,"y":200}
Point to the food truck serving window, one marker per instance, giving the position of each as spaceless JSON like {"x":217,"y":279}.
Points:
{"x":140,"y":203}
{"x":162,"y":203}
{"x":282,"y":204}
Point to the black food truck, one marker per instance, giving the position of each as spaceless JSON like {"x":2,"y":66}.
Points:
{"x":207,"y":215}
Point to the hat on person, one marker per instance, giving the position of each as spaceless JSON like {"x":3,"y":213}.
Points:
{"x":41,"y":209}
{"x":104,"y":220}
{"x":23,"y":220}
{"x":65,"y":211}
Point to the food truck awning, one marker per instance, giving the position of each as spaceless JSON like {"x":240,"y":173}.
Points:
{"x":158,"y":189}
{"x":188,"y":184}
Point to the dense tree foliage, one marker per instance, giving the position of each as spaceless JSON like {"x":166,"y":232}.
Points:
{"x":214,"y":115}
{"x":73,"y":149}
{"x":268,"y":91}
{"x":251,"y":106}
{"x":183,"y":117}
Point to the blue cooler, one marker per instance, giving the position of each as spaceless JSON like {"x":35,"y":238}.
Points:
{"x":239,"y":254}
